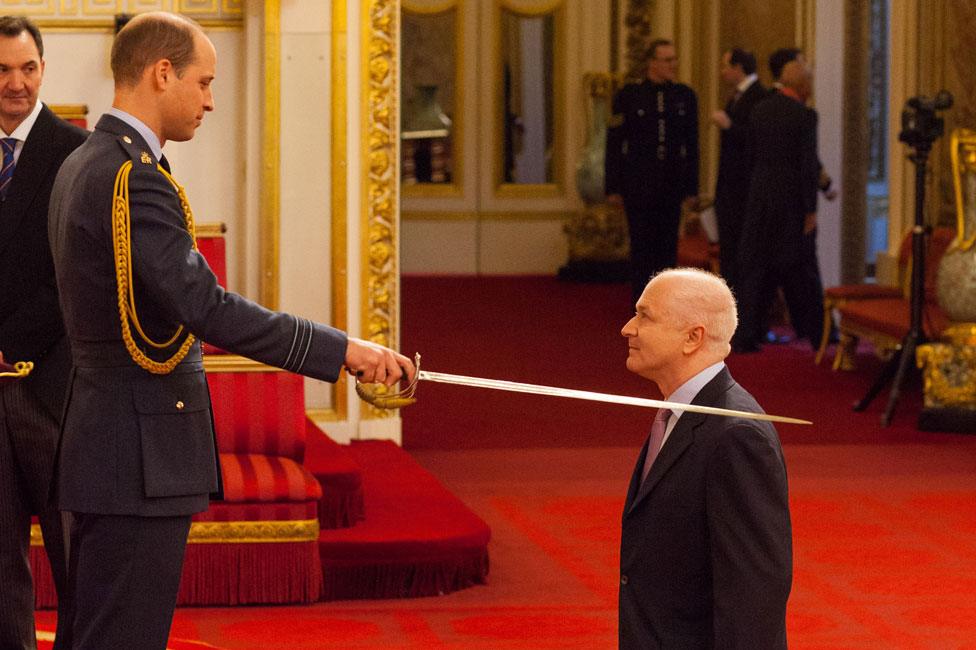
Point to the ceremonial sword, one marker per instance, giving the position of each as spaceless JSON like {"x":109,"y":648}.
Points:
{"x":406,"y":397}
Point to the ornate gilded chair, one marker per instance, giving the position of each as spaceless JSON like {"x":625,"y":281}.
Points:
{"x":949,"y":363}
{"x":886,"y":321}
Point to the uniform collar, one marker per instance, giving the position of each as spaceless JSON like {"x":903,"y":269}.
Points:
{"x":140,"y":127}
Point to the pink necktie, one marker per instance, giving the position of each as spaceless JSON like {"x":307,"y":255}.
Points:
{"x":655,"y":440}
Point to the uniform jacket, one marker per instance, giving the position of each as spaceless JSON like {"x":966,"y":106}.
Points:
{"x":31,"y":328}
{"x":133,"y":442}
{"x":652,"y":141}
{"x":706,"y":552}
{"x":784,"y":178}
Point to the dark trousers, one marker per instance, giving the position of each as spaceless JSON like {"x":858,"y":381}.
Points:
{"x":802,"y":290}
{"x":124,"y":575}
{"x":729,"y":214}
{"x":28,"y":443}
{"x":653,"y":225}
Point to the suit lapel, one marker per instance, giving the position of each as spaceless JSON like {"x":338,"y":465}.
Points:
{"x":35,"y":158}
{"x":682,"y":436}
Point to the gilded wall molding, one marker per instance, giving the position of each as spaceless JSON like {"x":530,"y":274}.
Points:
{"x":99,"y":14}
{"x":339,"y":204}
{"x":269,"y":225}
{"x":380,"y":177}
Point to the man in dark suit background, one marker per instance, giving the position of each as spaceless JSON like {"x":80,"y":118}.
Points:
{"x":651,"y":165}
{"x":706,"y":549}
{"x":735,"y":157}
{"x":35,"y":143}
{"x":138,"y":453}
{"x":778,"y":245}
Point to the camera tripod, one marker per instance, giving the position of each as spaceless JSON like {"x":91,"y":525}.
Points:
{"x":920,"y":128}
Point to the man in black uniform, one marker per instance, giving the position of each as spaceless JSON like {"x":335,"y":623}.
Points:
{"x":652,"y":161}
{"x":35,"y":143}
{"x":735,"y":156}
{"x":138,"y":455}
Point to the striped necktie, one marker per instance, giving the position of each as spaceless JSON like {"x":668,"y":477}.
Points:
{"x":7,"y":173}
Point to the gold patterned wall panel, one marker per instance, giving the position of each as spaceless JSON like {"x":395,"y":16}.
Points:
{"x":759,"y":26}
{"x":380,"y":153}
{"x":98,"y":14}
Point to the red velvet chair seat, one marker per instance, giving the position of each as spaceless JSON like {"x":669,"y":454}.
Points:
{"x":891,"y":317}
{"x":262,"y":478}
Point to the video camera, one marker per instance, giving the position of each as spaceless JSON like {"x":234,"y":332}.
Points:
{"x":920,"y":126}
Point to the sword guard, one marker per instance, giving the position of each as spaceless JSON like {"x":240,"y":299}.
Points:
{"x":377,"y":395}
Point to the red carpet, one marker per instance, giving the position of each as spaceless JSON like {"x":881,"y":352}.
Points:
{"x":884,"y":519}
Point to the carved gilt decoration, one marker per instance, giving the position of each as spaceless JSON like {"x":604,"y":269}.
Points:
{"x":379,"y":298}
{"x":99,"y":13}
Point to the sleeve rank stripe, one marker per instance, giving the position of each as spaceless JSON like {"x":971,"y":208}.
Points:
{"x":287,"y":363}
{"x":308,"y":345}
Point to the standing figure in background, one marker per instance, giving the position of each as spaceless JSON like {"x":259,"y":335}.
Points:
{"x":735,"y":155}
{"x":706,"y":557}
{"x":34,"y":144}
{"x":652,"y":161}
{"x":778,"y":245}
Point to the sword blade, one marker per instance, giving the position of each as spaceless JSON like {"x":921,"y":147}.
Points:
{"x":537,"y":389}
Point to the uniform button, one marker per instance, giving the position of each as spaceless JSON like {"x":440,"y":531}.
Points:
{"x":623,"y":580}
{"x":179,"y":405}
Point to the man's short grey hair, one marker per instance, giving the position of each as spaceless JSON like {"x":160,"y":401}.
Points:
{"x":701,"y":298}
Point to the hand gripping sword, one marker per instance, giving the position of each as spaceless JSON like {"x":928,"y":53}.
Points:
{"x":405,"y":397}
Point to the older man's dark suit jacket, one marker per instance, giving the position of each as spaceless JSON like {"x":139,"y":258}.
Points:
{"x":706,"y":551}
{"x":136,"y":443}
{"x":31,"y":328}
{"x":734,"y":175}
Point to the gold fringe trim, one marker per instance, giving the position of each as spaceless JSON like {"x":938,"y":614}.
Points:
{"x":236,"y":532}
{"x":122,"y":241}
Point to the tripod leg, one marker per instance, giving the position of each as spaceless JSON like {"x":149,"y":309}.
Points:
{"x":883,"y":377}
{"x":906,"y":356}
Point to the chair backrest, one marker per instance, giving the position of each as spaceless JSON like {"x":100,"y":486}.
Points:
{"x":213,"y":247}
{"x":258,"y":410}
{"x":936,"y":244}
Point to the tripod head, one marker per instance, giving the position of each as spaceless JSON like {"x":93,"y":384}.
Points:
{"x":920,"y":126}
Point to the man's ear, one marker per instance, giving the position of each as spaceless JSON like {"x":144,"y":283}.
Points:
{"x":695,"y":338}
{"x":162,"y":73}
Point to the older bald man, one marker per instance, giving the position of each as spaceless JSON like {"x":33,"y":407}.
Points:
{"x":706,"y":550}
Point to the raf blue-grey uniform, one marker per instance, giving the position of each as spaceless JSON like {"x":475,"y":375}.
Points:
{"x":652,"y":161}
{"x":138,"y":451}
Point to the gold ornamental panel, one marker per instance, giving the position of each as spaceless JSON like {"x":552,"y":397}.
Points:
{"x":380,"y":153}
{"x":99,"y":14}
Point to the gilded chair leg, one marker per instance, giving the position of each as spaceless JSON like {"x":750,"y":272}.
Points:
{"x":844,"y":356}
{"x":828,"y":322}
